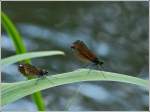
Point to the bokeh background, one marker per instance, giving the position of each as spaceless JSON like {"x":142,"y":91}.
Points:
{"x":116,"y":31}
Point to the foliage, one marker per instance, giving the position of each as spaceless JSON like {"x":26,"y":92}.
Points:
{"x":14,"y":91}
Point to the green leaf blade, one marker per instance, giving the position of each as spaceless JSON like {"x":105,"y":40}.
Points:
{"x":24,"y":88}
{"x":20,"y":57}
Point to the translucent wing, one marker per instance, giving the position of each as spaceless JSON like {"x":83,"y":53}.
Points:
{"x":83,"y":51}
{"x":28,"y":69}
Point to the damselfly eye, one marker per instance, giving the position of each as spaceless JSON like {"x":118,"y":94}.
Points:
{"x":20,"y":65}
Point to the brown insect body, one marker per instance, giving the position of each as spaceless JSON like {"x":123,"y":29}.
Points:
{"x":84,"y":53}
{"x":31,"y":70}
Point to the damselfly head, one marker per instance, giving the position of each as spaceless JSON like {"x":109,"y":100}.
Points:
{"x":76,"y":44}
{"x":21,"y":68}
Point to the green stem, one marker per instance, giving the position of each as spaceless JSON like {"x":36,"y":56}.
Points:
{"x":20,"y":48}
{"x":37,"y":97}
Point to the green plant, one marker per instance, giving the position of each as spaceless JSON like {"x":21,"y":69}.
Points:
{"x":20,"y":57}
{"x":20,"y":48}
{"x":14,"y":91}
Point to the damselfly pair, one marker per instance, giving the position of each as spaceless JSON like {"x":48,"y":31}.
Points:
{"x":80,"y":50}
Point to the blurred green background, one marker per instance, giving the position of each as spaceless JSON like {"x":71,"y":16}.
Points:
{"x":116,"y":31}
